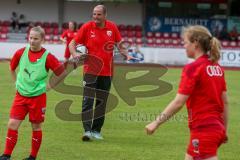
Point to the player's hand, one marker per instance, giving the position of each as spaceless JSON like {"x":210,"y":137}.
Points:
{"x":79,"y":56}
{"x":78,"y":59}
{"x":151,"y":127}
{"x":128,"y":58}
{"x":83,"y":55}
{"x":63,"y":40}
{"x":75,"y":55}
{"x":48,"y":87}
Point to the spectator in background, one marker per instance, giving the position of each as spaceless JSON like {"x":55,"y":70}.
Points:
{"x":135,"y":52}
{"x":224,"y":34}
{"x":30,"y":25}
{"x":216,"y":31}
{"x":67,"y":36}
{"x":14,"y":21}
{"x":22,"y":23}
{"x":233,"y":34}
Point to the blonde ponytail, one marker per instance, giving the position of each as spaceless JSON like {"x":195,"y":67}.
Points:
{"x":215,"y":48}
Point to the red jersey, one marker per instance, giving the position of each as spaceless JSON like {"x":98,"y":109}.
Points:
{"x":204,"y":82}
{"x":51,"y":62}
{"x":99,"y":42}
{"x":69,"y":35}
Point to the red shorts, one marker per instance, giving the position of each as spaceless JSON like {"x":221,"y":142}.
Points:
{"x":35,"y":106}
{"x":204,"y":144}
{"x":67,"y":53}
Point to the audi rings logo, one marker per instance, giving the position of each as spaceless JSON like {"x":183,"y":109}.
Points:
{"x":214,"y":71}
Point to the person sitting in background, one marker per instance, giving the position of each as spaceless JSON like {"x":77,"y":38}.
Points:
{"x":136,"y":53}
{"x":233,"y":34}
{"x":22,"y":22}
{"x":14,"y":20}
{"x":216,"y":32}
{"x":224,"y":34}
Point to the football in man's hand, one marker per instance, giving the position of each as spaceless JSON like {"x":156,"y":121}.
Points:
{"x":81,"y":49}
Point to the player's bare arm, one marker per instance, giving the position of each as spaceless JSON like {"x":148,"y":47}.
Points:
{"x":173,"y":107}
{"x":13,"y":75}
{"x":72,"y":48}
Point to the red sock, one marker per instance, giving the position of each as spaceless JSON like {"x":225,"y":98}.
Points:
{"x":36,"y":142}
{"x":11,"y":141}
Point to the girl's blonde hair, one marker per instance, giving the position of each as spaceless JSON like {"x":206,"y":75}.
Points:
{"x":209,"y":44}
{"x":40,"y":30}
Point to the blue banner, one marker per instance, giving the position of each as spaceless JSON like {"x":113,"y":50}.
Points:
{"x":174,"y":24}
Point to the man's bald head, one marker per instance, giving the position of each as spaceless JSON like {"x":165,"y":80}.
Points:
{"x":101,"y":7}
{"x":99,"y":15}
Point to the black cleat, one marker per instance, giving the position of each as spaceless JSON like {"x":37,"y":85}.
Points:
{"x":5,"y":157}
{"x":87,"y":136}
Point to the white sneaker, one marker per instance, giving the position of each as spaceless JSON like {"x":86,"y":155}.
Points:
{"x":97,"y":135}
{"x":87,"y":136}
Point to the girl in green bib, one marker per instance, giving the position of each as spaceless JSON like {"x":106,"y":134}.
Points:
{"x":34,"y":62}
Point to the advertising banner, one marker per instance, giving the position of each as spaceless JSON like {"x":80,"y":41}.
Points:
{"x":230,"y":58}
{"x":175,"y":24}
{"x":202,"y":1}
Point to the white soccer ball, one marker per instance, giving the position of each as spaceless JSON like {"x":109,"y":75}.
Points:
{"x":81,"y":49}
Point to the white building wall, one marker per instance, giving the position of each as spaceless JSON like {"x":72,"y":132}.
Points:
{"x":171,"y":56}
{"x":120,"y":13}
{"x":47,"y":10}
{"x":34,"y":10}
{"x":164,"y":56}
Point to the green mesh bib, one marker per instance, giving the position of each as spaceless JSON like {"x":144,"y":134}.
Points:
{"x":31,"y":78}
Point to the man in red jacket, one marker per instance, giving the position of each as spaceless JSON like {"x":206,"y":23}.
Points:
{"x":99,"y":36}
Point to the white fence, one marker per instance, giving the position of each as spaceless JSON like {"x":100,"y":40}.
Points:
{"x":164,"y":56}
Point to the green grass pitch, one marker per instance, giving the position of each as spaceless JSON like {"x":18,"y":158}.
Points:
{"x":123,"y":130}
